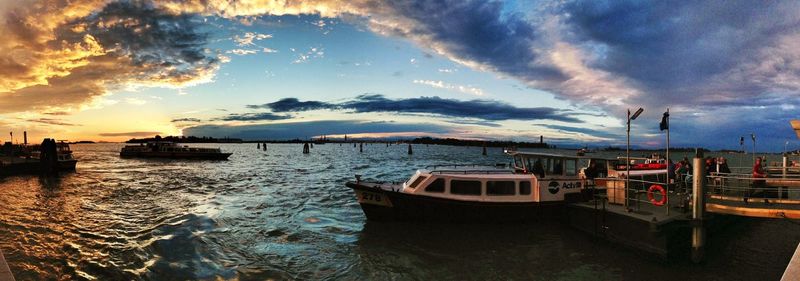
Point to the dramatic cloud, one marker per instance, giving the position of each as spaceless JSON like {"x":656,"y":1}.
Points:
{"x":305,"y":130}
{"x":130,"y":134}
{"x":479,"y":109}
{"x":66,"y":54}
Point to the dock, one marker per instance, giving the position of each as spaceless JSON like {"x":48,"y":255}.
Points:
{"x":5,"y":271}
{"x":18,"y":166}
{"x":793,"y":269}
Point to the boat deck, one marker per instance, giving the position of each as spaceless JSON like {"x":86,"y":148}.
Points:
{"x":643,"y":211}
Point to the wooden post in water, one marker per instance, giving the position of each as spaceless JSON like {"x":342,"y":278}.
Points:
{"x":410,"y":151}
{"x":305,"y":149}
{"x":484,"y":149}
{"x":698,"y":207}
{"x":258,"y":145}
{"x":264,"y":146}
{"x":361,"y":147}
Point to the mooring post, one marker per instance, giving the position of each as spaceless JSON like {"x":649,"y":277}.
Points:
{"x":305,"y":148}
{"x":484,"y":149}
{"x":264,"y":146}
{"x":258,"y":145}
{"x":361,"y":147}
{"x":410,"y":151}
{"x":25,"y":142}
{"x":698,"y":207}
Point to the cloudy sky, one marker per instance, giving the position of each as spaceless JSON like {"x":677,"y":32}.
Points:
{"x":568,"y":70}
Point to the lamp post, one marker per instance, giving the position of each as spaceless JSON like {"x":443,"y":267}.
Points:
{"x":628,"y":153}
{"x":753,"y":136}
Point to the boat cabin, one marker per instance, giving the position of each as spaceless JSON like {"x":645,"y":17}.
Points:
{"x":534,"y":177}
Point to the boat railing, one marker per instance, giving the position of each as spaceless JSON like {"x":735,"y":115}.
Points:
{"x":456,"y":166}
{"x":471,"y":172}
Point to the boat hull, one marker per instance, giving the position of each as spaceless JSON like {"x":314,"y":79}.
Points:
{"x":176,"y":155}
{"x":386,"y":205}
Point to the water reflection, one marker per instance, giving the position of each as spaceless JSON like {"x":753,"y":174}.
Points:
{"x":280,"y":214}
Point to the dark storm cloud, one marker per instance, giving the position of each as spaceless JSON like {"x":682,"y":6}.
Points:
{"x":167,"y":46}
{"x":304,"y":130}
{"x":477,"y":31}
{"x":689,"y":48}
{"x":292,"y":104}
{"x":260,"y":116}
{"x":480,"y":109}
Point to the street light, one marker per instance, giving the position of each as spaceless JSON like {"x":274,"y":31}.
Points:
{"x":628,"y":153}
{"x":753,"y":136}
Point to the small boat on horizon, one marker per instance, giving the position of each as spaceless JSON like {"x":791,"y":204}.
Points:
{"x":537,"y":186}
{"x":166,"y":149}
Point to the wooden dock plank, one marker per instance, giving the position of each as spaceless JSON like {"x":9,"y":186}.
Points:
{"x":793,"y":269}
{"x":5,"y":271}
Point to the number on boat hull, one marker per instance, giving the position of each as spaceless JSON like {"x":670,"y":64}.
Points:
{"x":374,"y":198}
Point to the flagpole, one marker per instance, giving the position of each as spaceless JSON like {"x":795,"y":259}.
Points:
{"x":668,"y":162}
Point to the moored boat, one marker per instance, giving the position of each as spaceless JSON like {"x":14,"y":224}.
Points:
{"x":537,"y":186}
{"x":64,"y":157}
{"x":165,"y":149}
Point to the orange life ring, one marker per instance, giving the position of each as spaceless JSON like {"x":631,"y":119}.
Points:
{"x":660,"y":190}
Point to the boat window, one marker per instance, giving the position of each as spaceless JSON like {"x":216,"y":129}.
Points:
{"x":417,"y":182}
{"x":538,"y":167}
{"x":436,"y":186}
{"x":558,"y":166}
{"x":500,"y":188}
{"x":518,"y":162}
{"x":570,"y":165}
{"x":524,"y":187}
{"x":463,"y":187}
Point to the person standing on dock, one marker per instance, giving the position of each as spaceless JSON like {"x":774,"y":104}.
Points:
{"x":758,"y":172}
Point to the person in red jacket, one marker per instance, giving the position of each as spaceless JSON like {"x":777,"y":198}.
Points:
{"x":758,"y":172}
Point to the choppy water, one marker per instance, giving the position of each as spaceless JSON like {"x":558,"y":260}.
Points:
{"x":284,"y":215}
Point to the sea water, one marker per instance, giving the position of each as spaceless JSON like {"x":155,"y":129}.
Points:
{"x":281,"y":214}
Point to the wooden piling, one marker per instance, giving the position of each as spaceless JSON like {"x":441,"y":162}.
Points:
{"x":305,"y":149}
{"x":258,"y":145}
{"x":361,"y":147}
{"x":698,"y":207}
{"x":410,"y":151}
{"x":484,"y":150}
{"x":264,"y":146}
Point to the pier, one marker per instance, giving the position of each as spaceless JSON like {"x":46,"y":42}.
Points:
{"x":694,"y":207}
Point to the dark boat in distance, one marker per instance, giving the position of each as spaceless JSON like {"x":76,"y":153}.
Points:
{"x":165,"y":149}
{"x":537,"y":187}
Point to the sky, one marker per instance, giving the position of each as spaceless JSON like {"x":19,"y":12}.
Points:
{"x":498,"y":70}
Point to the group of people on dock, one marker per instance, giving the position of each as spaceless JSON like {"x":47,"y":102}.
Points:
{"x":681,"y":172}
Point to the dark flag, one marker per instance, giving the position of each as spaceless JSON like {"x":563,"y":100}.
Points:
{"x":664,"y":125}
